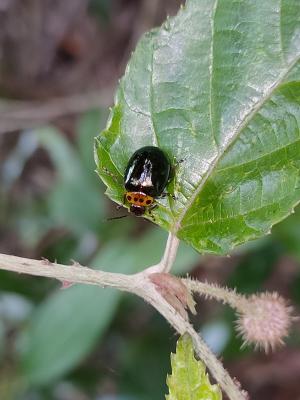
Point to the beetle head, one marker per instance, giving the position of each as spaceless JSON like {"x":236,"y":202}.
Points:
{"x":137,"y":210}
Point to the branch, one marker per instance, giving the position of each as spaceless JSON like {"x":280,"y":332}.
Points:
{"x":139,"y":284}
{"x":228,"y":385}
{"x":29,"y":114}
{"x":71,"y":273}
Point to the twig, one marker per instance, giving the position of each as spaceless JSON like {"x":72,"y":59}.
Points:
{"x":16,"y":115}
{"x":70,"y":273}
{"x":166,"y":263}
{"x":228,"y":385}
{"x":139,"y":284}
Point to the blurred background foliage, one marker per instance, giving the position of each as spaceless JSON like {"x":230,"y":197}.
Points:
{"x":58,"y":72}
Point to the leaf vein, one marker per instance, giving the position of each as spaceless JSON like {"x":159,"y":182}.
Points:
{"x":235,"y":135}
{"x":254,"y":160}
{"x":234,"y":216}
{"x":211,"y":69}
{"x":151,"y":99}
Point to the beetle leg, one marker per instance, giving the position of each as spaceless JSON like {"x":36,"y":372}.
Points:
{"x":178,"y":162}
{"x":111,"y":174}
{"x":150,"y":209}
{"x":174,"y":166}
{"x":119,"y":206}
{"x":165,"y":194}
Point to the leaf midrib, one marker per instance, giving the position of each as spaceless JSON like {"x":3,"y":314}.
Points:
{"x":211,"y":73}
{"x":235,"y":136}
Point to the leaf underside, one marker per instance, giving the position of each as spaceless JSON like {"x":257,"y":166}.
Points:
{"x":189,"y":380}
{"x":219,"y":87}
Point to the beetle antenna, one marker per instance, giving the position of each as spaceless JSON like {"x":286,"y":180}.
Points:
{"x":121,"y":216}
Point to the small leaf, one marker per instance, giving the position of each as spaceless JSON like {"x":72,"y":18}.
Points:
{"x":175,"y":292}
{"x":219,"y":87}
{"x":189,"y":381}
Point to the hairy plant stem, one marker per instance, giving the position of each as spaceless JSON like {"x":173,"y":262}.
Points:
{"x":139,"y":284}
{"x":227,"y":296}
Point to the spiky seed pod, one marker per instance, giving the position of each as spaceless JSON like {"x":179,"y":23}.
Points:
{"x":265,"y":321}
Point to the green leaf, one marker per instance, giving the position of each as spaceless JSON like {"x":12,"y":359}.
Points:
{"x":66,"y":326}
{"x":218,"y":86}
{"x":189,"y":380}
{"x":63,"y":330}
{"x":74,"y":187}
